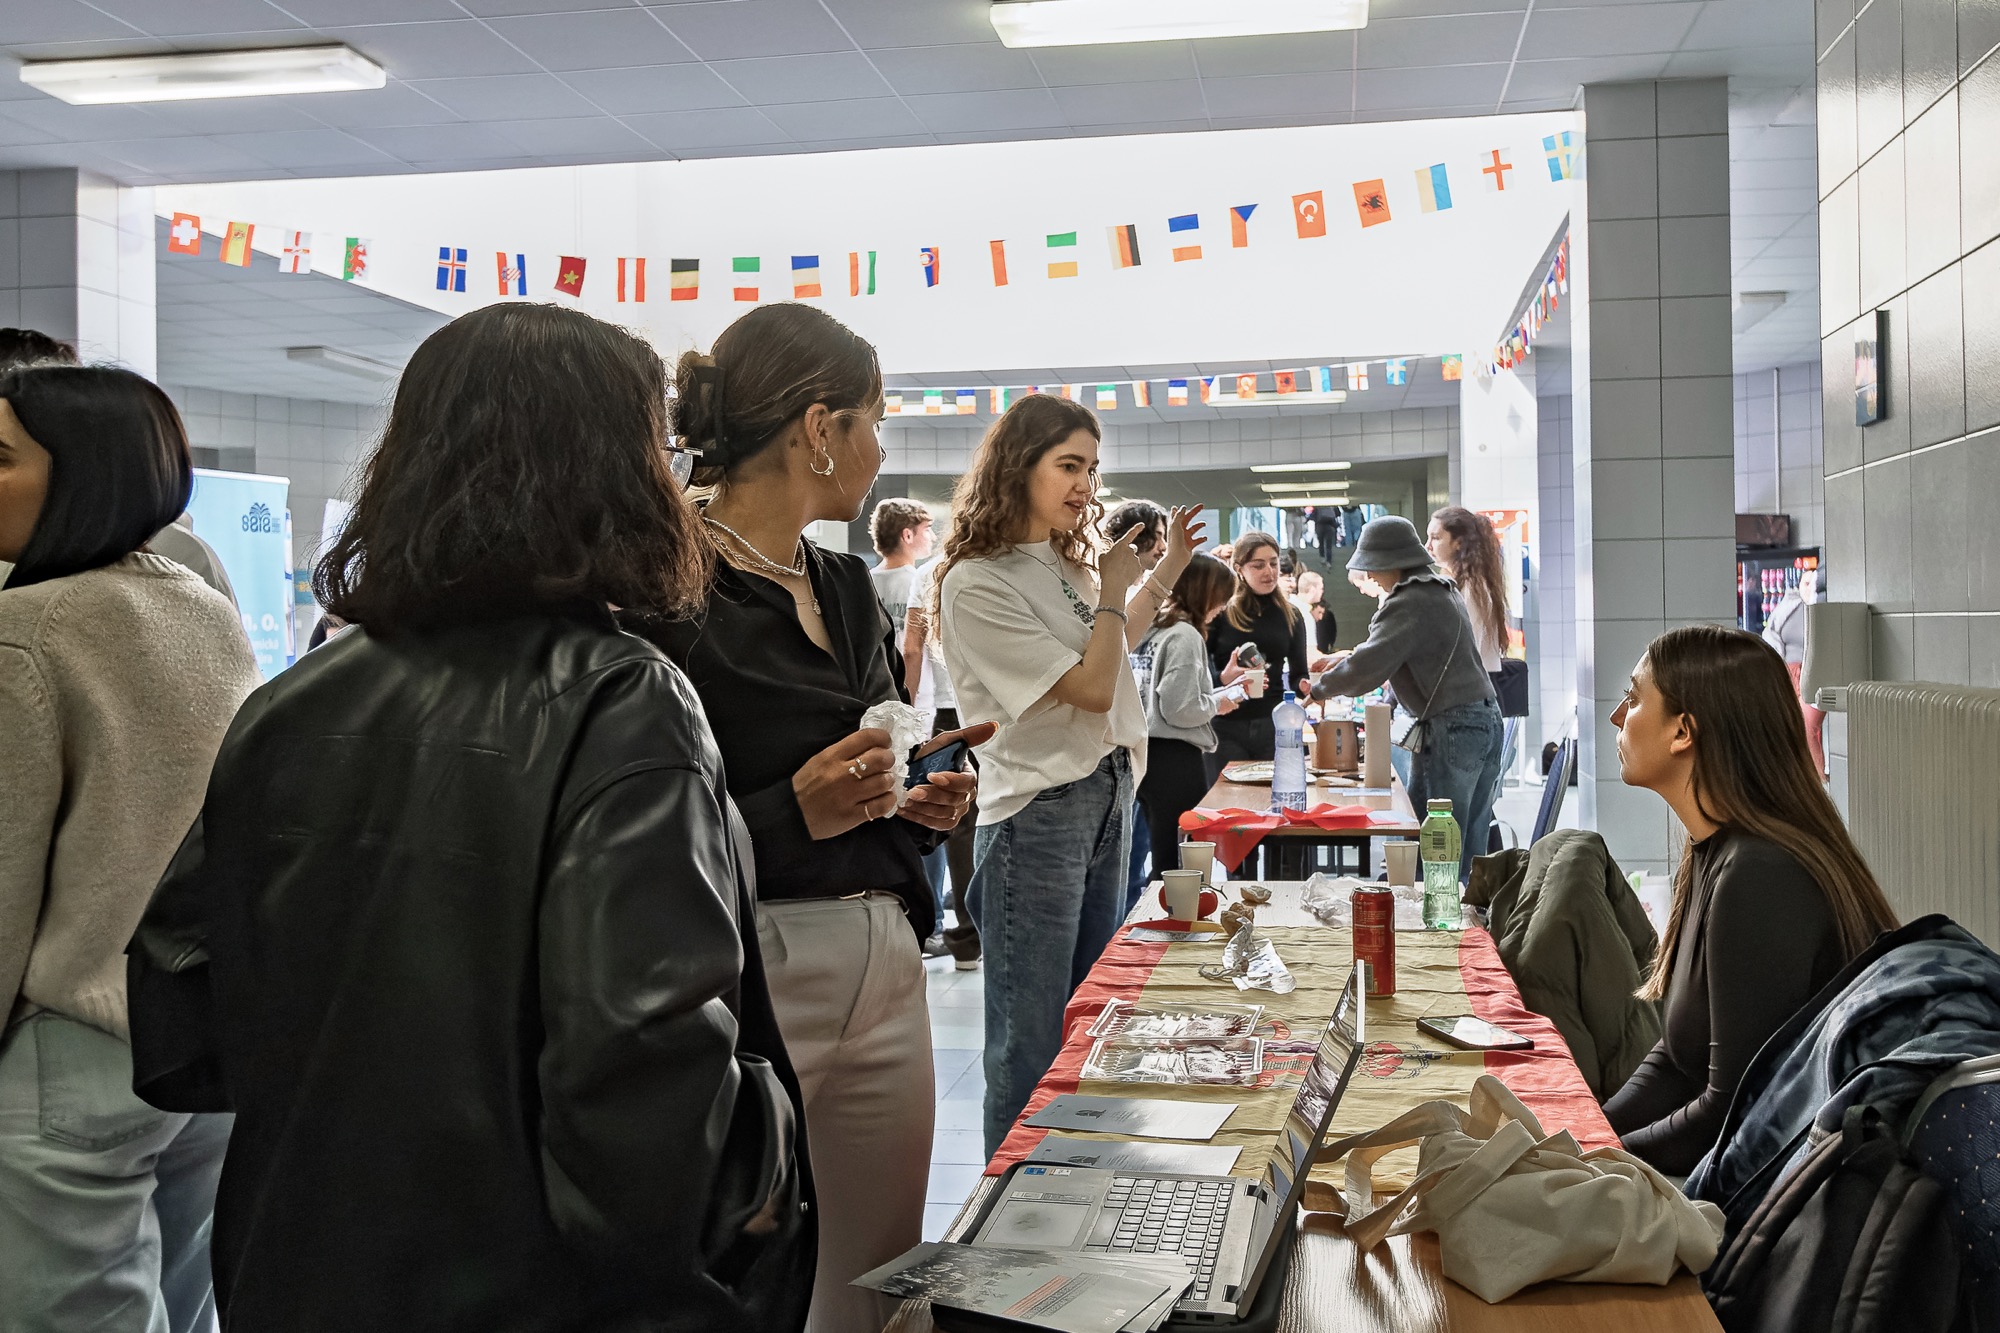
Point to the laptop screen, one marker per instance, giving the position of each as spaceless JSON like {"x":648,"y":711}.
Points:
{"x":1306,"y":1124}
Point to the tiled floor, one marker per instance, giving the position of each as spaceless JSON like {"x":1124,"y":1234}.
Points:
{"x":958,"y":1032}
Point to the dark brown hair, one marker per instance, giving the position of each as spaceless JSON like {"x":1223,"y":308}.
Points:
{"x":1753,"y":772}
{"x":1202,"y":587}
{"x":893,"y":518}
{"x":26,"y":347}
{"x":765,"y":370}
{"x":1245,"y":605}
{"x":523,"y":467}
{"x":990,"y":501}
{"x":1152,"y":521}
{"x":1476,"y":565}
{"x":119,"y":468}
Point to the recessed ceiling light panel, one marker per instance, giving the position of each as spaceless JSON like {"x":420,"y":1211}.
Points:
{"x":1337,"y":465}
{"x":1092,"y":22}
{"x":203,"y":74}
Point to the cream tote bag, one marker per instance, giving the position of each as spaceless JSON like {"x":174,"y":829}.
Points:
{"x":1513,"y":1206}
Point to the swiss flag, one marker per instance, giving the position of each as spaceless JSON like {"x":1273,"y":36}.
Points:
{"x":184,"y":234}
{"x":569,"y":276}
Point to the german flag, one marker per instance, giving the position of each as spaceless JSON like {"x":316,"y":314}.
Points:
{"x":684,"y":278}
{"x":1124,"y":246}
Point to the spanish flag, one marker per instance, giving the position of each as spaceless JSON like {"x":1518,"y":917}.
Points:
{"x":684,"y":278}
{"x":1125,"y":246}
{"x":236,"y":245}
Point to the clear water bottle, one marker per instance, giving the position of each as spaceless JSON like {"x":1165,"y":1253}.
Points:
{"x":1438,"y":847}
{"x":1288,"y":770}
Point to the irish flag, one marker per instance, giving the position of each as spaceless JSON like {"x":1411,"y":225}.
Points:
{"x":1062,"y":254}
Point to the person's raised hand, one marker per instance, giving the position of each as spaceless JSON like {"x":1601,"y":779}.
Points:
{"x":847,"y":784}
{"x":1184,"y":533}
{"x":1118,"y":568}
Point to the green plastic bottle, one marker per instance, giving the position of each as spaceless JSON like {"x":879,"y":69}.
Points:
{"x":1438,"y":847}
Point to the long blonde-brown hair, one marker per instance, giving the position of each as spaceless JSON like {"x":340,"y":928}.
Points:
{"x":1245,"y":604}
{"x":1476,"y":565}
{"x":990,"y":502}
{"x":1753,"y":772}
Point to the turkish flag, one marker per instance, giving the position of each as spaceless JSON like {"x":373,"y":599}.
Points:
{"x":1309,"y":211}
{"x":569,"y":276}
{"x":184,"y":235}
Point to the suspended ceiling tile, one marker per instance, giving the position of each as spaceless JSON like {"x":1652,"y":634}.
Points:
{"x":740,"y":29}
{"x":1131,"y":104}
{"x":459,"y":48}
{"x":318,"y":149}
{"x":1607,"y":30}
{"x":1534,"y":79}
{"x":1293,"y":53}
{"x":891,"y":23}
{"x":1463,"y":40}
{"x":61,"y":21}
{"x":680,"y":132}
{"x":810,"y":122}
{"x":397,"y":104}
{"x":832,"y":76}
{"x":319,"y":13}
{"x":624,"y":92}
{"x":1407,"y":90}
{"x":1291,"y":97}
{"x":599,"y":39}
{"x":989,"y":112}
{"x":192,"y":18}
{"x":413,"y":143}
{"x":988,"y":67}
{"x":507,"y":97}
{"x":572,"y":137}
{"x":1130,"y":62}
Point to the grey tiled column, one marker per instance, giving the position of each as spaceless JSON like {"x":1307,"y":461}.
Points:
{"x":1653,"y":427}
{"x":76,"y":261}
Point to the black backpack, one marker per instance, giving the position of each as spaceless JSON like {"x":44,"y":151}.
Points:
{"x":1855,"y":1240}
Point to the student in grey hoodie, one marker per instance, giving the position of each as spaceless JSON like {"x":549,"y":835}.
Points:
{"x":1181,"y":700}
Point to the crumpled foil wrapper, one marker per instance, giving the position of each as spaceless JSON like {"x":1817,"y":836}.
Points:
{"x":1251,"y":961}
{"x":906,"y":729}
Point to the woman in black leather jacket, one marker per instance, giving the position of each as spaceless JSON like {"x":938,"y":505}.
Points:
{"x":464,"y":932}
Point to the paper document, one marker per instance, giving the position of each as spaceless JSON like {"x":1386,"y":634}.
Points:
{"x":1167,"y":1158}
{"x":1136,"y":1117}
{"x":1037,"y":1288}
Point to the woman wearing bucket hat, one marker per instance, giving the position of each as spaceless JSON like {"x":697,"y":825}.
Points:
{"x":1421,"y":642}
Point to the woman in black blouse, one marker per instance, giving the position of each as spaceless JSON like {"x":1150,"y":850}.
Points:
{"x":1771,"y":898}
{"x":1259,"y":613}
{"x":790,"y":648}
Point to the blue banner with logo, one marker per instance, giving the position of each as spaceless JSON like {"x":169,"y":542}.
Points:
{"x":243,"y":517}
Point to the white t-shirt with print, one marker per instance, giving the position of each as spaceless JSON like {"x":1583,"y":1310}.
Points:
{"x":1010,"y":631}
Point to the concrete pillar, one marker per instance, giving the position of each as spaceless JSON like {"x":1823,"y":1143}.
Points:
{"x":76,"y":261}
{"x":1653,"y":432}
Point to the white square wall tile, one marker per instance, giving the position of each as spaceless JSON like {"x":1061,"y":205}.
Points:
{"x":1700,"y":578}
{"x":1623,"y":179}
{"x":1629,"y":576}
{"x":1619,"y":111}
{"x":1625,"y":498}
{"x":1697,"y":497}
{"x":1694,"y":176}
{"x":1625,"y":339}
{"x":1695,"y":418}
{"x":1625,"y":418}
{"x":1694,"y":256}
{"x":1694,"y":336}
{"x":1692,"y":106}
{"x":1624,"y":258}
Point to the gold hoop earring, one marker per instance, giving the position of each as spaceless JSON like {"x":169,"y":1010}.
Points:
{"x":816,"y":470}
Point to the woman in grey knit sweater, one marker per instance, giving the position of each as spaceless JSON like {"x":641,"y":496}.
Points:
{"x":1181,"y":701}
{"x":1421,"y":643}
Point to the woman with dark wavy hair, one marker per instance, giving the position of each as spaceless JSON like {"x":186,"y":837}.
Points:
{"x":1771,"y":897}
{"x":464,"y":931}
{"x":1036,"y":628}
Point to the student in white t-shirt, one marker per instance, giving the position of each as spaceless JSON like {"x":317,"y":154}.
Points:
{"x":901,"y":531}
{"x":1034,"y":645}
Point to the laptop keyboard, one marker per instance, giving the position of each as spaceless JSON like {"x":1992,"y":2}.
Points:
{"x":1183,"y":1217}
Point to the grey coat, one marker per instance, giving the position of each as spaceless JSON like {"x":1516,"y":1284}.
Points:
{"x":1421,"y":642}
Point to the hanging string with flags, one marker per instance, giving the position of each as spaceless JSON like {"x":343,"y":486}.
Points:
{"x":1298,"y":386}
{"x":1519,"y":341}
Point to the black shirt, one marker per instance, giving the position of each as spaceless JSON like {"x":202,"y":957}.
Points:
{"x":1759,"y":941}
{"x":775,"y":699}
{"x":1284,"y":647}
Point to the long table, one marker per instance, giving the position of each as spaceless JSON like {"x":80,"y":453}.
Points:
{"x":1399,"y":1287}
{"x":1291,"y":852}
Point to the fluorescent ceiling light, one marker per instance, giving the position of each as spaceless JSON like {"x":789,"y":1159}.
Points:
{"x":180,"y":78}
{"x":1089,"y":22}
{"x":347,"y":363}
{"x":1307,"y":501}
{"x":1303,"y":398}
{"x":1340,"y":465}
{"x":1280,"y":486}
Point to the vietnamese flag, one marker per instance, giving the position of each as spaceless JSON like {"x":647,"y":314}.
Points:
{"x":569,"y":276}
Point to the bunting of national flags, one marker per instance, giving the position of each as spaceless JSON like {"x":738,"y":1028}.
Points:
{"x":1250,"y":386}
{"x":1518,"y":341}
{"x":1414,"y":192}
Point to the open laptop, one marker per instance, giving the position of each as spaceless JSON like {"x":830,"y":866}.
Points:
{"x":1228,"y":1229}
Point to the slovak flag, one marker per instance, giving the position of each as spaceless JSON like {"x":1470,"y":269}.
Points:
{"x":931,"y":265}
{"x":297,"y":255}
{"x":451,"y":268}
{"x":513,"y":273}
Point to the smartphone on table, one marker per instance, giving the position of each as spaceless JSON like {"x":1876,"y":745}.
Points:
{"x":1474,"y":1034}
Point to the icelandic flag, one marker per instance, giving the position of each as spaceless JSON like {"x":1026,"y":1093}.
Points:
{"x":1433,"y":189}
{"x":451,"y":269}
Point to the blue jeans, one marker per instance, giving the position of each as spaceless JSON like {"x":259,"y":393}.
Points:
{"x":1047,"y":894}
{"x":1142,"y":852}
{"x":1461,"y":760}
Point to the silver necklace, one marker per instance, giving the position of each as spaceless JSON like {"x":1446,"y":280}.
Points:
{"x":766,"y":565}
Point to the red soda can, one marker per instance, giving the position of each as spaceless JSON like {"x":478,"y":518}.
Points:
{"x":1375,"y":936}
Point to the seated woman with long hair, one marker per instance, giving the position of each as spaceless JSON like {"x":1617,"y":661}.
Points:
{"x":1771,"y":897}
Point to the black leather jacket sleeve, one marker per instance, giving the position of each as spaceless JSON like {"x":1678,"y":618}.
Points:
{"x":174,"y":1064}
{"x":660,"y":1139}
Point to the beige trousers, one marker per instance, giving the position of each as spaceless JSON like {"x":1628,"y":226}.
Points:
{"x":847,"y":981}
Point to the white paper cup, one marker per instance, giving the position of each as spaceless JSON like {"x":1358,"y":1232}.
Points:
{"x":1198,"y":856}
{"x":1182,"y":894}
{"x":1253,"y":684}
{"x":1401,"y":856}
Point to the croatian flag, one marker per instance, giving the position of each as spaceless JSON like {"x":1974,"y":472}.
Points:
{"x":514,"y":275}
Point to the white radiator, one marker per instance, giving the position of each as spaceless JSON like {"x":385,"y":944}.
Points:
{"x":1924,"y":797}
